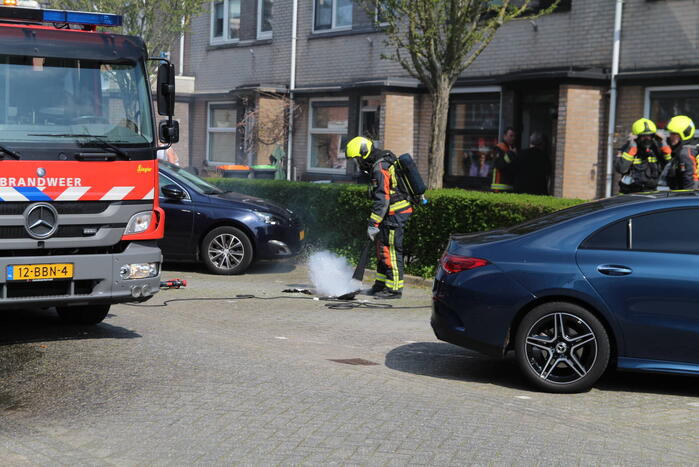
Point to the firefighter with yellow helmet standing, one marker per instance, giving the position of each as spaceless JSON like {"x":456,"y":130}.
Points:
{"x":641,"y":159}
{"x":390,"y":212}
{"x":681,"y":172}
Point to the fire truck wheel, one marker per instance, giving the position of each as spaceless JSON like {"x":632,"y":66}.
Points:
{"x":226,"y":250}
{"x":87,"y":314}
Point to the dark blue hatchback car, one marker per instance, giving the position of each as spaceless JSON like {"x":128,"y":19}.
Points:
{"x":611,"y":282}
{"x":224,"y":230}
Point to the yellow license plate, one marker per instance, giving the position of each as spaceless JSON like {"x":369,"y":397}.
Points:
{"x":33,"y":272}
{"x":302,"y":235}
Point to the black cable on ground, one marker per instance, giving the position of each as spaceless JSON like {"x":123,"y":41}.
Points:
{"x":335,"y":305}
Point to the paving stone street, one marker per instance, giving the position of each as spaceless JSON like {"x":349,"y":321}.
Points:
{"x":253,"y":382}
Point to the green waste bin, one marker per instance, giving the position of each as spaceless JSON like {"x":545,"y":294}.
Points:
{"x":263,"y":171}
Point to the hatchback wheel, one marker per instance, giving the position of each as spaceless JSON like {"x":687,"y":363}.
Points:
{"x":562,"y":347}
{"x":226,"y":250}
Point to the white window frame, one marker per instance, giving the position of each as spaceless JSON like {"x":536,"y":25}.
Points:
{"x":333,"y":27}
{"x":649,"y":90}
{"x":260,"y":33}
{"x":226,"y":29}
{"x":323,"y":131}
{"x":210,"y":130}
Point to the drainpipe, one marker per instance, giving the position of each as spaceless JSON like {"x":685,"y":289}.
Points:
{"x":181,"y":64}
{"x":613,"y":98}
{"x":292,"y":87}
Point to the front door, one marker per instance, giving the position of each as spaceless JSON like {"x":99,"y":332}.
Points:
{"x":177,"y":242}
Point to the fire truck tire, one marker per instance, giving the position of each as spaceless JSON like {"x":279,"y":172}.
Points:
{"x":88,"y":314}
{"x":227,"y":250}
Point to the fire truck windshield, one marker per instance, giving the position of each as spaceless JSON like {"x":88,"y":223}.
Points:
{"x":73,"y":101}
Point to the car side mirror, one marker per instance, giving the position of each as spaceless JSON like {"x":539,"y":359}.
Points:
{"x":169,"y":131}
{"x":173,"y":192}
{"x":165,"y":89}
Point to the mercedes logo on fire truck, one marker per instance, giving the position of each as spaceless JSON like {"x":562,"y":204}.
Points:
{"x":41,"y":171}
{"x":41,"y":220}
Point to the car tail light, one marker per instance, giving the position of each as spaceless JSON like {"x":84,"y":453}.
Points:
{"x":455,"y":263}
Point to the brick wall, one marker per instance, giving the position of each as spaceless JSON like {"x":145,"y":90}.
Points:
{"x":398,"y":123}
{"x":579,"y":140}
{"x":271,"y":113}
{"x":182,"y":147}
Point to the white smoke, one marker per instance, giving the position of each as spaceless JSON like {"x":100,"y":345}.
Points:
{"x":331,"y":274}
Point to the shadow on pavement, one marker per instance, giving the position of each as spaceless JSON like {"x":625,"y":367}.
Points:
{"x":442,"y":360}
{"x":41,"y":325}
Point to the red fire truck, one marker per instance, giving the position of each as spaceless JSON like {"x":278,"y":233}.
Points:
{"x":79,"y":215}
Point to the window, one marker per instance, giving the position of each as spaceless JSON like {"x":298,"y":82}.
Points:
{"x":673,"y":231}
{"x":327,"y":135}
{"x":332,"y":14}
{"x":225,"y":20}
{"x":370,"y":118}
{"x":663,"y":103}
{"x":611,"y":237}
{"x":474,"y":121}
{"x":221,"y":132}
{"x":73,"y":101}
{"x":264,"y":18}
{"x":164,"y":180}
{"x":381,"y":18}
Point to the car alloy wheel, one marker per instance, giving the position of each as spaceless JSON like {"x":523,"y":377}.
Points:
{"x":227,"y":250}
{"x":562,"y":347}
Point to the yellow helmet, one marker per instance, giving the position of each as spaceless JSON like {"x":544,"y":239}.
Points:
{"x":358,"y":147}
{"x":643,"y":126}
{"x":683,"y":126}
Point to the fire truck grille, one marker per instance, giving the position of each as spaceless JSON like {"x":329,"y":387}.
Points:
{"x":64,"y":231}
{"x":49,"y":289}
{"x":63,"y":207}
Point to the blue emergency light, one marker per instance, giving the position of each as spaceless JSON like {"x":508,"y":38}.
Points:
{"x":81,"y":17}
{"x":84,"y":18}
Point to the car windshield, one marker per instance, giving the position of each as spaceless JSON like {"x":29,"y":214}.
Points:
{"x":570,"y":213}
{"x":200,"y":186}
{"x":73,"y":101}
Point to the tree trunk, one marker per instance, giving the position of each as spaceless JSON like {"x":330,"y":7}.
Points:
{"x":440,"y":112}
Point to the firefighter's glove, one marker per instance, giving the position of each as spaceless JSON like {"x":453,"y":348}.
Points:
{"x":372,"y":232}
{"x":632,"y":141}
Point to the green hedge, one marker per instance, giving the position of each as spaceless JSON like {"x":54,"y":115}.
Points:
{"x":336,"y":215}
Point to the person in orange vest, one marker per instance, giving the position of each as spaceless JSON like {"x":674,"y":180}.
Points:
{"x":390,"y":212}
{"x":681,"y":172}
{"x":504,"y":154}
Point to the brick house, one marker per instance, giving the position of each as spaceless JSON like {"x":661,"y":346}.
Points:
{"x":550,"y":75}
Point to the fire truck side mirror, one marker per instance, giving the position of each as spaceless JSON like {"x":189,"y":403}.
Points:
{"x":166,"y":89}
{"x":169,"y":131}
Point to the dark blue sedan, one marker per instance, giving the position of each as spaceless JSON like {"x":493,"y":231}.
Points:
{"x":224,"y":230}
{"x":611,"y":282}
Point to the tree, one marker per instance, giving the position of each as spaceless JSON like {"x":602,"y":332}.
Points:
{"x":435,"y":41}
{"x":159,"y":22}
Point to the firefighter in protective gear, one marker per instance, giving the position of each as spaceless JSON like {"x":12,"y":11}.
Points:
{"x":504,"y":154}
{"x":641,"y":159}
{"x":681,"y":172}
{"x":390,"y":212}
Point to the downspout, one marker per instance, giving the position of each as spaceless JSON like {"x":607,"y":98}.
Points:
{"x":181,"y":64}
{"x":613,"y":98}
{"x":292,"y":87}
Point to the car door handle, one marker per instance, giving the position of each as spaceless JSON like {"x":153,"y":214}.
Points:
{"x":614,"y":270}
